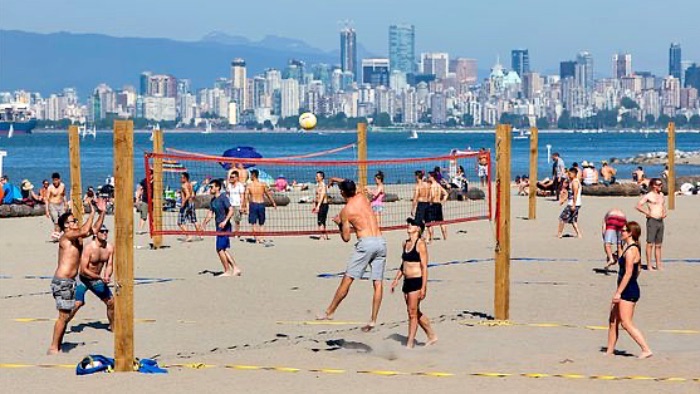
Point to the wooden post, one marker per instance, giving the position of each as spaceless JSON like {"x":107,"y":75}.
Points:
{"x":157,"y":191}
{"x":76,"y":189}
{"x":534,"y":150}
{"x":362,"y":155}
{"x":124,"y":245}
{"x":502,"y":269}
{"x":671,"y":181}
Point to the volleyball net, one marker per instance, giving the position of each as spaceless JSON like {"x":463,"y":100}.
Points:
{"x":294,"y":188}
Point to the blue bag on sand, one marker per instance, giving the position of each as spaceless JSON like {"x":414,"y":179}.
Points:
{"x":94,"y":363}
{"x":147,"y":365}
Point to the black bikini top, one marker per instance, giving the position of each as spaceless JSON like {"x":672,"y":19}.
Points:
{"x":411,"y":256}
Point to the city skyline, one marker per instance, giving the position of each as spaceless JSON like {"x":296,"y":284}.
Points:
{"x":474,"y":37}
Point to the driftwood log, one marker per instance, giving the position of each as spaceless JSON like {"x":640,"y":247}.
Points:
{"x":21,"y":210}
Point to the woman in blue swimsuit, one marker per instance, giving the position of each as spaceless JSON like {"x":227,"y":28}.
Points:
{"x":414,"y":269}
{"x":627,"y":294}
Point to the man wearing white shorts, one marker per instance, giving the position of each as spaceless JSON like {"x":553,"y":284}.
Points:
{"x":236,"y":191}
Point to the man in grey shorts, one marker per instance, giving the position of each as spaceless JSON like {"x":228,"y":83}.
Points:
{"x":370,"y":249}
{"x":653,"y":206}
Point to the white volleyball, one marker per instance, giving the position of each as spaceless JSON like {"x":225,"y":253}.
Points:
{"x":307,"y":121}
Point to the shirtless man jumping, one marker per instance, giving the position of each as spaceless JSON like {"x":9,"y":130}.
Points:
{"x":70,"y":246}
{"x":255,"y":194}
{"x":421,"y":197}
{"x":370,"y":249}
{"x":55,"y":203}
{"x":321,"y":204}
{"x":653,"y":206}
{"x":96,"y":267}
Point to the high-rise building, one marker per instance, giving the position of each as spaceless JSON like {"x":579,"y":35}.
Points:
{"x":161,"y":85}
{"x":348,"y":51}
{"x":465,"y":70}
{"x":692,"y":77}
{"x":239,"y":88}
{"x":402,"y":48}
{"x":289,"y":92}
{"x":437,"y":64}
{"x":520,"y":61}
{"x":622,"y":65}
{"x":438,"y":109}
{"x":567,"y":69}
{"x":584,"y":62}
{"x":375,"y":71}
{"x":674,"y":61}
{"x":143,"y":82}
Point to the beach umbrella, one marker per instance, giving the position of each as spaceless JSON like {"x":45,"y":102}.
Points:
{"x":241,"y":152}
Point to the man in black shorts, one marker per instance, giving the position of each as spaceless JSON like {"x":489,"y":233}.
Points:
{"x":421,"y":197}
{"x":321,"y":204}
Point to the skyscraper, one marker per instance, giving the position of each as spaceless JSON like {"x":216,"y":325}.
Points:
{"x":465,"y":70}
{"x":402,"y":48}
{"x":622,"y":65}
{"x":437,"y":64}
{"x":520,"y":61}
{"x":674,"y":60}
{"x":348,"y":51}
{"x":290,"y":98}
{"x":375,"y":72}
{"x":584,"y":61}
{"x":238,"y":83}
{"x":567,"y":69}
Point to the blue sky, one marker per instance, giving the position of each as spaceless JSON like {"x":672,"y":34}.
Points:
{"x":553,"y":30}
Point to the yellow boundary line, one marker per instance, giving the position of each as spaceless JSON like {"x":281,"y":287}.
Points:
{"x":507,"y":323}
{"x":336,"y":371}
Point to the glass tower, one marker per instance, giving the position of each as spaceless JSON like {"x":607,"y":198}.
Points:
{"x":520,"y":61}
{"x":348,"y":51}
{"x":402,"y":48}
{"x":674,"y":60}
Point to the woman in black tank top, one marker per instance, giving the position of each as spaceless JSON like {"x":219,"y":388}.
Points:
{"x":414,"y":269}
{"x":627,"y":293}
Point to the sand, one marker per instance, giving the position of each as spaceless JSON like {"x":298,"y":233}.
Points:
{"x":234,"y":321}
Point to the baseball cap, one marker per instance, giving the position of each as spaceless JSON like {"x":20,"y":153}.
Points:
{"x":416,"y":222}
{"x":104,"y":228}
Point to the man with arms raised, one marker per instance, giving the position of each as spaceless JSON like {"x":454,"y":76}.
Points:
{"x":96,"y":267}
{"x":370,"y":249}
{"x":255,"y":194}
{"x":653,"y":206}
{"x":70,"y":247}
{"x":321,"y":204}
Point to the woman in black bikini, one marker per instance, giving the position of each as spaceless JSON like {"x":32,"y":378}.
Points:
{"x":627,"y":293}
{"x":414,"y":269}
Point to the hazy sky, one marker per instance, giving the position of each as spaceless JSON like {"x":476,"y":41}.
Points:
{"x":553,"y":30}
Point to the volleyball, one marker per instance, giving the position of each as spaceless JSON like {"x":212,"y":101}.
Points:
{"x":307,"y":121}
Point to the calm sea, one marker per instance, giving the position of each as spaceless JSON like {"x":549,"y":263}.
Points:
{"x":37,"y":155}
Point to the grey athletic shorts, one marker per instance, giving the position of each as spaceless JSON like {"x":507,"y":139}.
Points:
{"x":655,"y":231}
{"x":56,"y":210}
{"x":63,"y":290}
{"x":369,"y":251}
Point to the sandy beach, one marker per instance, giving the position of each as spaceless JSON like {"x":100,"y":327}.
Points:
{"x":249,"y":332}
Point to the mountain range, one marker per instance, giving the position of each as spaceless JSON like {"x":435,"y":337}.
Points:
{"x":47,"y":63}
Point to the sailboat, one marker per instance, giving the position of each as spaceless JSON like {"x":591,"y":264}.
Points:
{"x":11,"y":131}
{"x":521,"y":135}
{"x":208,"y":128}
{"x":84,"y":131}
{"x":414,"y":135}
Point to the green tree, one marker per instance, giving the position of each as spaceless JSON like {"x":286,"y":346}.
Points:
{"x":663,"y":120}
{"x":542,"y":123}
{"x":382,"y":120}
{"x":628,"y":103}
{"x":680,"y":120}
{"x":629,"y":121}
{"x":468,"y":120}
{"x":451,"y":123}
{"x":564,"y":121}
{"x":268,"y":125}
{"x":649,"y":120}
{"x":694,"y":121}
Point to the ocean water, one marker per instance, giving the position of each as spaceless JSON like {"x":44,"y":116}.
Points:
{"x":36,"y":156}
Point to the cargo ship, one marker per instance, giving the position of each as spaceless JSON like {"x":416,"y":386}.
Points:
{"x":16,"y":118}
